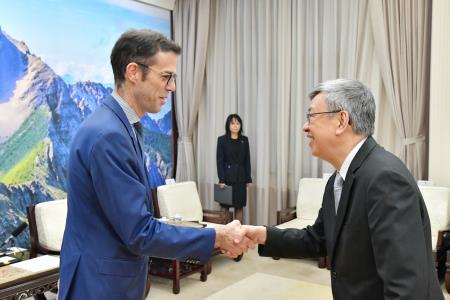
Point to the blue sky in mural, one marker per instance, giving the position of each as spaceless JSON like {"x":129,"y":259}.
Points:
{"x":78,"y":47}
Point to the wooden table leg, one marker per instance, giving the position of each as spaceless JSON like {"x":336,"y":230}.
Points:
{"x":204,"y":273}
{"x":447,"y":273}
{"x":176,"y":279}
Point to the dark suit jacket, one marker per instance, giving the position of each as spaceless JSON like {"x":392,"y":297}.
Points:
{"x":110,"y":230}
{"x":379,"y":243}
{"x":233,"y":169}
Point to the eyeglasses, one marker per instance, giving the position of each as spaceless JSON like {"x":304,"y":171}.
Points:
{"x":309,"y":115}
{"x":166,"y":76}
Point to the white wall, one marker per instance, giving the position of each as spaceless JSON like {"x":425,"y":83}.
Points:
{"x":439,"y":143}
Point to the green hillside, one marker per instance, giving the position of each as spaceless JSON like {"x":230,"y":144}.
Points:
{"x":25,"y":139}
{"x":32,"y":166}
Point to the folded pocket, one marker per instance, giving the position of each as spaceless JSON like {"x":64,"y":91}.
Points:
{"x":120,"y":267}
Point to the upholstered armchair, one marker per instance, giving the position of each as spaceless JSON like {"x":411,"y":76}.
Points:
{"x":437,"y":200}
{"x":309,"y":201}
{"x":182,"y":200}
{"x":46,"y":221}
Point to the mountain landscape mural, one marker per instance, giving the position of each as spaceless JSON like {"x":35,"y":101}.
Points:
{"x":39,"y":115}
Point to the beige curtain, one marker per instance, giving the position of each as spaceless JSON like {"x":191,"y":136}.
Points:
{"x":191,"y":32}
{"x":402,"y":34}
{"x":262,"y":59}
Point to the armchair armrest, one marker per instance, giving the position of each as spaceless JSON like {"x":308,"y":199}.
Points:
{"x":216,"y":216}
{"x":286,"y":215}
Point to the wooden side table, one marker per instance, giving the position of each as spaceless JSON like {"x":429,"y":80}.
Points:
{"x":28,"y":278}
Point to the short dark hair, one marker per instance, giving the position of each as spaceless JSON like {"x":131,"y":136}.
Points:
{"x":228,"y":122}
{"x":138,"y":46}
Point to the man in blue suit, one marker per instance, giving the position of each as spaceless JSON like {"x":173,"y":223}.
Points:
{"x":110,"y":229}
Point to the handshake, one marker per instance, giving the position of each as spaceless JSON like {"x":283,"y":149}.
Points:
{"x":234,"y":239}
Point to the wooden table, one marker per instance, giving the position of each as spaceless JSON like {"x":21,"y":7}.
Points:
{"x":186,"y":224}
{"x":20,"y":283}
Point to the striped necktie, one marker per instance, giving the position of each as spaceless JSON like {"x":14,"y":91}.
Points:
{"x":338,"y":183}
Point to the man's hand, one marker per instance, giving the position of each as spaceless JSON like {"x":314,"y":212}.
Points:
{"x":258,"y":234}
{"x":232,"y":239}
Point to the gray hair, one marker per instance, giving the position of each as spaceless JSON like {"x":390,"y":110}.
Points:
{"x":353,"y":97}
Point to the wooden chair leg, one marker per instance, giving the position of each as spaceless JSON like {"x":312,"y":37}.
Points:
{"x":40,"y":297}
{"x":447,"y":281}
{"x":147,"y":286}
{"x":447,"y":272}
{"x":209,"y":267}
{"x":238,"y":259}
{"x":204,"y":273}
{"x":176,"y":279}
{"x":322,"y":262}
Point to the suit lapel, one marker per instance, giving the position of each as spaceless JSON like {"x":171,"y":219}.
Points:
{"x":118,"y":111}
{"x":346,"y":196}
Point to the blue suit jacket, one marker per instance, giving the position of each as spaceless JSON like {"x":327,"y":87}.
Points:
{"x":110,"y":230}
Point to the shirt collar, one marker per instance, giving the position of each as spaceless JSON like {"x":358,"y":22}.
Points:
{"x":129,"y":112}
{"x":348,"y":160}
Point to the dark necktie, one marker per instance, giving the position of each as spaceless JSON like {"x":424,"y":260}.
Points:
{"x":140,"y":136}
{"x":338,"y":183}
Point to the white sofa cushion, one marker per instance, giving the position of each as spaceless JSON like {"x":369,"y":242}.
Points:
{"x":50,"y":223}
{"x":180,"y":199}
{"x":437,"y":201}
{"x":309,"y":199}
{"x":295,"y":223}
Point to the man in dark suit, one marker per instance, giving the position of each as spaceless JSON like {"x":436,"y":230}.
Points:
{"x":110,"y":229}
{"x":373,"y":223}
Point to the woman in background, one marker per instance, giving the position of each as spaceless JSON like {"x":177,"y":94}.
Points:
{"x":233,"y":163}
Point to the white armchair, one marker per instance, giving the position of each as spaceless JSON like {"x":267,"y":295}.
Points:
{"x":309,"y":201}
{"x":182,"y":199}
{"x":437,"y":201}
{"x":47,"y":221}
